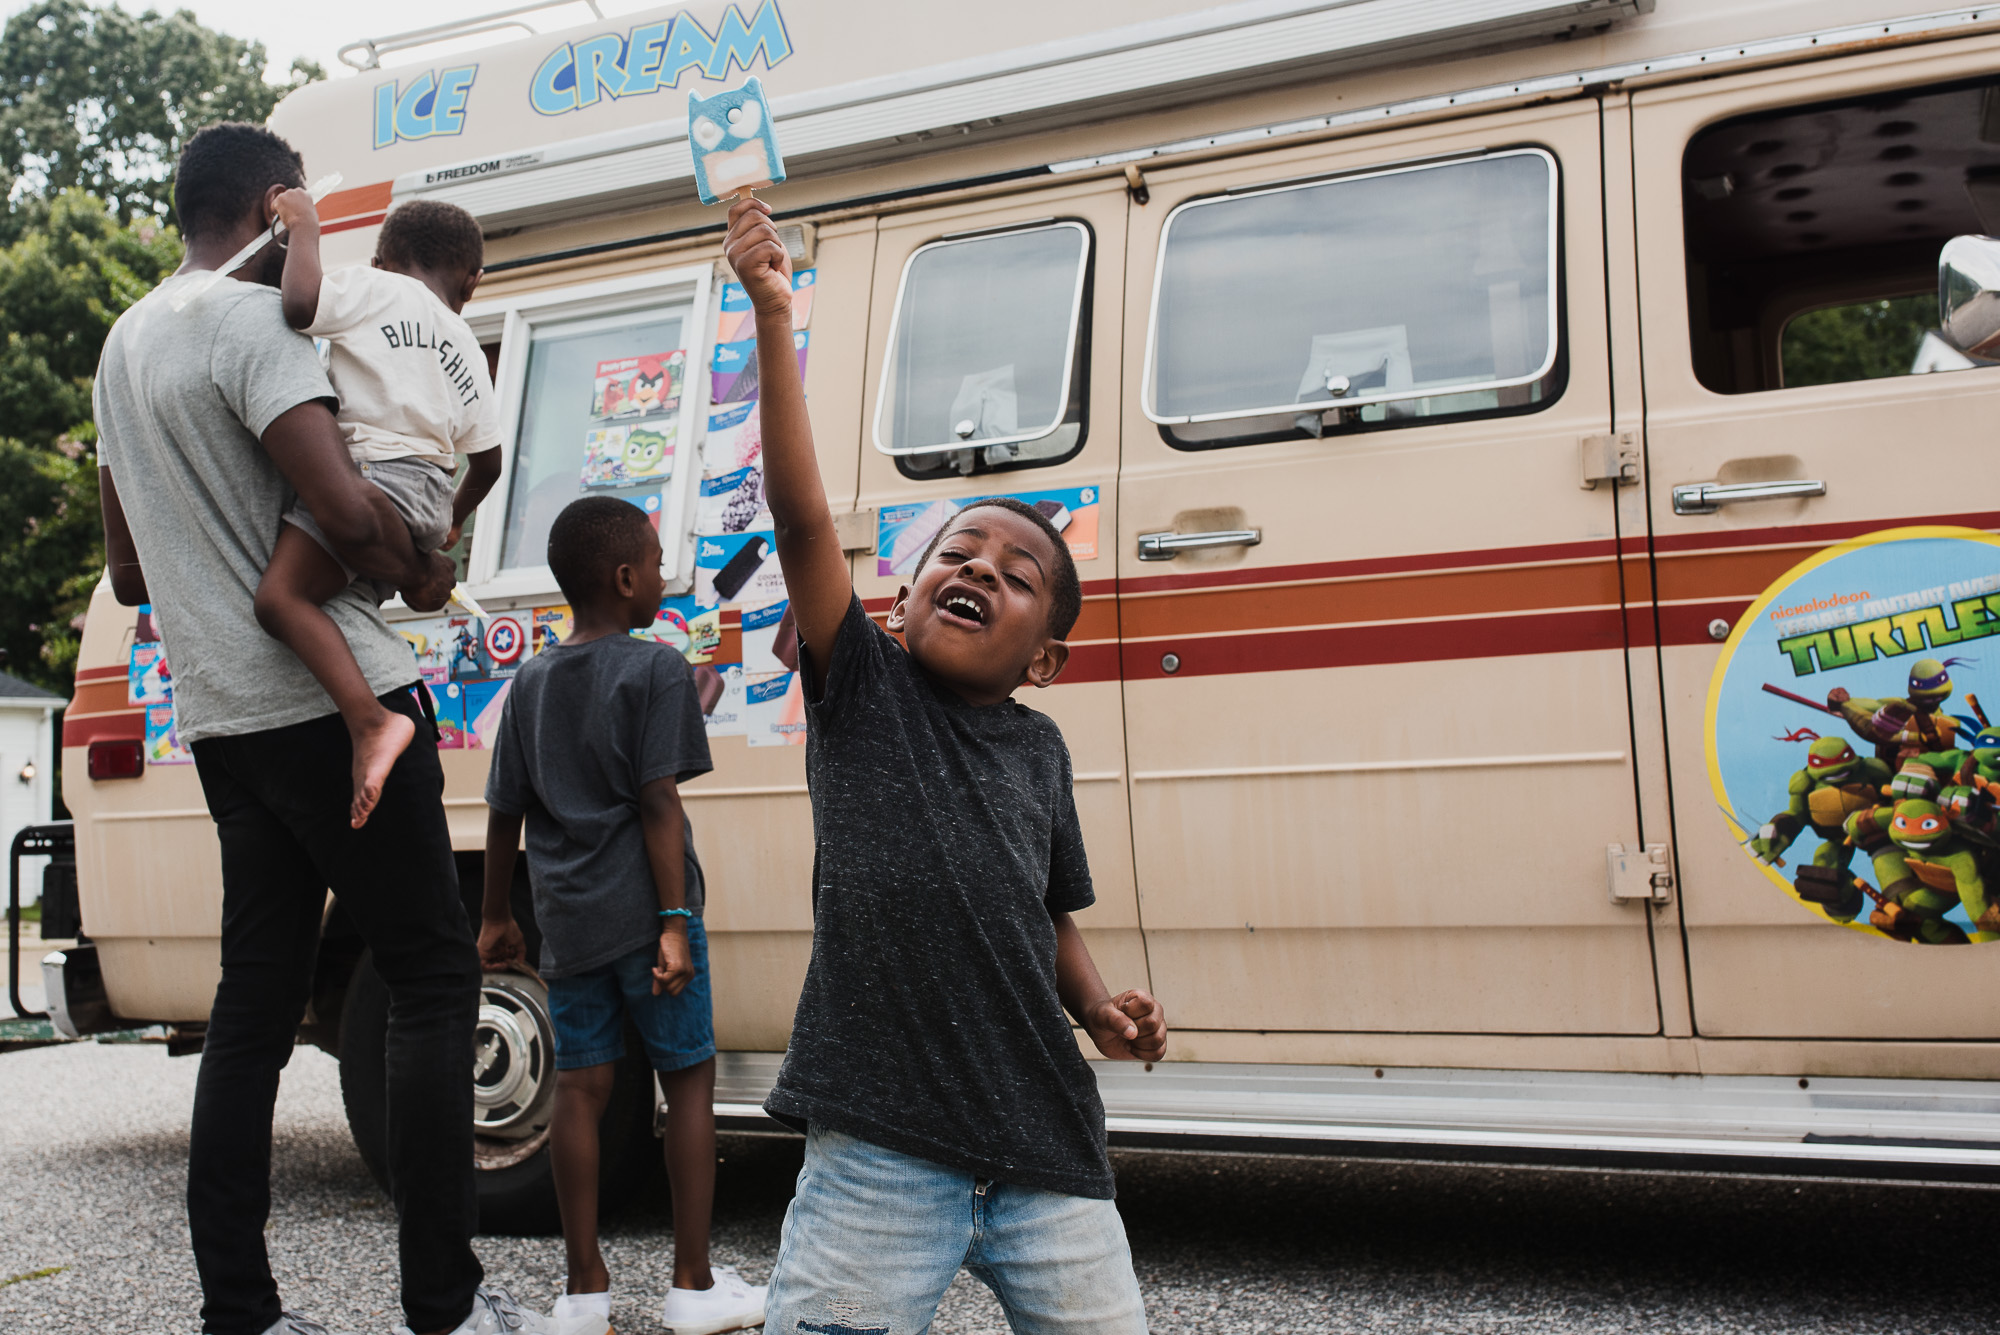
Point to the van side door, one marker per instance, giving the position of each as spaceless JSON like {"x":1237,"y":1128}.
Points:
{"x":1789,"y":223}
{"x":1372,"y":641}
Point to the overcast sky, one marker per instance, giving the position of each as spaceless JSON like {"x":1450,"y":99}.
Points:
{"x":317,"y":31}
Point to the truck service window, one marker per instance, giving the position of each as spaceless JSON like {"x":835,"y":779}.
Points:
{"x":987,"y":352}
{"x":565,"y":422}
{"x":1813,"y":234}
{"x":1392,"y":297}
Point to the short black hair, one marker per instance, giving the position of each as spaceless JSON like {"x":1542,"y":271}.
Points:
{"x":224,"y":171}
{"x":1065,"y":589}
{"x":431,"y":234}
{"x":591,"y":538}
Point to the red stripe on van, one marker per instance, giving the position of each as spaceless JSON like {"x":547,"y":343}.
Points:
{"x":123,"y":726}
{"x":1354,"y":646}
{"x":1384,"y":565}
{"x":346,"y":224}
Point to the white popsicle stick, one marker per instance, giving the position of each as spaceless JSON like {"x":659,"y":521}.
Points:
{"x":198,"y":283}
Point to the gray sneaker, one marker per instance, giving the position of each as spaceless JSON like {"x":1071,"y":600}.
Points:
{"x":494,"y":1312}
{"x":291,"y":1323}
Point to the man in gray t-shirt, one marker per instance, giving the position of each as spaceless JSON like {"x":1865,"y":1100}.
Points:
{"x":211,"y":415}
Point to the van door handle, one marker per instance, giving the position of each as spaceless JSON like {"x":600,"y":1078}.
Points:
{"x":1705,"y":498}
{"x":1166,"y":546}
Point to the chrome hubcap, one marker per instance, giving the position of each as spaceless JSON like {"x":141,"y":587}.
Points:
{"x":513,"y":1058}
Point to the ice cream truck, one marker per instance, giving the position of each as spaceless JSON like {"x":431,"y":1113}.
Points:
{"x":1524,"y":460}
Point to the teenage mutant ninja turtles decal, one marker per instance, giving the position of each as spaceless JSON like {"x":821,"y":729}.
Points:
{"x":1847,"y":745}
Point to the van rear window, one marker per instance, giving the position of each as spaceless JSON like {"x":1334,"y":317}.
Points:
{"x":987,"y":353}
{"x":1391,"y":297}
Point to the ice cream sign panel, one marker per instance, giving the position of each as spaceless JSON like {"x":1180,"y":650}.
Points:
{"x":1848,"y":746}
{"x":656,"y":56}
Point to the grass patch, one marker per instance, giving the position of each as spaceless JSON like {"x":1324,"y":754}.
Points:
{"x":31,"y":912}
{"x":27,"y":1275}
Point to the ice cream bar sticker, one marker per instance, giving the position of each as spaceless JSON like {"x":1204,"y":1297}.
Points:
{"x":163,"y":737}
{"x":148,"y":679}
{"x":906,"y":530}
{"x":734,"y":374}
{"x":770,"y":639}
{"x":734,"y":148}
{"x":774,"y":710}
{"x":737,"y":568}
{"x":722,"y":715}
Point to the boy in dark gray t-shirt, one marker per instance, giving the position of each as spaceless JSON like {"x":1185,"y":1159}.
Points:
{"x":596,"y":734}
{"x":950,"y":1118}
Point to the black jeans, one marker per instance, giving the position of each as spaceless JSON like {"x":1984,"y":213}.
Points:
{"x":279,"y":799}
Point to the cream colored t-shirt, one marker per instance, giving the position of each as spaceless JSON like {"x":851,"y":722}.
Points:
{"x":411,"y":377}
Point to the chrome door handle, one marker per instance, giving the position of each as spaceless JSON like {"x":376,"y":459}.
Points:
{"x":1705,"y":498}
{"x":1166,"y":546}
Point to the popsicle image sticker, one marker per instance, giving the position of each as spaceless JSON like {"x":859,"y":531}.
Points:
{"x":731,"y":139}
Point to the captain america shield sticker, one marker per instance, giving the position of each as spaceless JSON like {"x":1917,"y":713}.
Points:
{"x":504,"y":640}
{"x":1849,"y":748}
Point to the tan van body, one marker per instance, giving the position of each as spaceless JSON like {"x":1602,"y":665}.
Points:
{"x":1351,"y":793}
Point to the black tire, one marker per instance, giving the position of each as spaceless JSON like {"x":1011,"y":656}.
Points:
{"x":516,"y":1183}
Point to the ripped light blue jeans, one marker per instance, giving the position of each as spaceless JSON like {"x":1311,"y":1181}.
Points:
{"x":873,"y":1238}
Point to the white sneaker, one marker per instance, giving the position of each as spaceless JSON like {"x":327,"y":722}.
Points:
{"x":573,"y":1309}
{"x":494,"y":1312}
{"x":729,"y":1305}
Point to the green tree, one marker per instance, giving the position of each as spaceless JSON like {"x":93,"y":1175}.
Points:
{"x":61,"y":287}
{"x":95,"y":102}
{"x":100,"y":99}
{"x":1864,"y":341}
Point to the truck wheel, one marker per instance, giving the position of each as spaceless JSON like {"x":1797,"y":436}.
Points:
{"x":513,"y":1074}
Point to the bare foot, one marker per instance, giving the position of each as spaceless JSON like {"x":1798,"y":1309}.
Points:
{"x":375,"y":752}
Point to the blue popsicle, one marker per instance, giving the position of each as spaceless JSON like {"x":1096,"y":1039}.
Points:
{"x":734,"y":148}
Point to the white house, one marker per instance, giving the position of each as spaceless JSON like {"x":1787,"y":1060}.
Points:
{"x":27,"y":767}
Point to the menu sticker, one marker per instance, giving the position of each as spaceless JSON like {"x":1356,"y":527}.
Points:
{"x":721,"y":686}
{"x":737,"y":319}
{"x":737,"y":568}
{"x":770,"y":639}
{"x":639,"y":386}
{"x":148,"y":680}
{"x":774,"y":710}
{"x":484,"y":701}
{"x":734,"y":367}
{"x":904,"y":532}
{"x":735,"y":439}
{"x":550,"y":627}
{"x":448,"y":705}
{"x":733,"y":503}
{"x":163,"y":737}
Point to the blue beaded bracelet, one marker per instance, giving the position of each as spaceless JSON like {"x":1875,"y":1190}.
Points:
{"x":676,"y":913}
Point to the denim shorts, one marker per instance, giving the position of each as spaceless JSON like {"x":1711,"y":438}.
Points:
{"x":589,"y":1011}
{"x":873,"y":1238}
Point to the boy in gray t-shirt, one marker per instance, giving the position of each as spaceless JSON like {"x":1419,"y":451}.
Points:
{"x":596,"y":734}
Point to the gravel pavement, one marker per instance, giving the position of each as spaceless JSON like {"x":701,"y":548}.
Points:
{"x":93,"y":1142}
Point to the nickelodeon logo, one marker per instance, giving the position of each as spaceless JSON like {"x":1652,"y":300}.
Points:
{"x":1819,"y":605}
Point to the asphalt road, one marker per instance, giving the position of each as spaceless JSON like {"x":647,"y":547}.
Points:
{"x":93,"y":1143}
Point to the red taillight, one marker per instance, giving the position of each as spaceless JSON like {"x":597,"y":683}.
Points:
{"x":117,"y":760}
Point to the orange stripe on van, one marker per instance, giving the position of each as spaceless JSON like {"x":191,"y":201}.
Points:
{"x":361,"y":199}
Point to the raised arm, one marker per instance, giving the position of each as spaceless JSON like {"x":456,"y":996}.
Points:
{"x":300,"y":283}
{"x":304,"y":442}
{"x":128,"y":581}
{"x":816,"y":574}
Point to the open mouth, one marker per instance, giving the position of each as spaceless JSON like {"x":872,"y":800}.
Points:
{"x":1917,"y":847}
{"x":962,"y":607}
